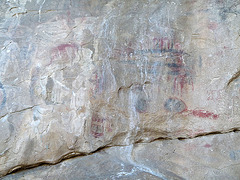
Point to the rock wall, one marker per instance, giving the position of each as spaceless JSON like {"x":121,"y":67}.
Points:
{"x":77,"y":76}
{"x":208,"y":157}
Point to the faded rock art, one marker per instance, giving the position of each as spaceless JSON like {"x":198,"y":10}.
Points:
{"x":66,"y":52}
{"x":97,"y":126}
{"x":163,"y":55}
{"x":175,"y":105}
{"x":100,"y":126}
{"x":141,"y":105}
{"x":78,"y":76}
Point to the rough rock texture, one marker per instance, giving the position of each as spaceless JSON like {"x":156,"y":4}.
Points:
{"x":207,"y":157}
{"x":76,"y":76}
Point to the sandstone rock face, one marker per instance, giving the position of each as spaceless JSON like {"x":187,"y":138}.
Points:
{"x":76,"y":76}
{"x":208,"y":157}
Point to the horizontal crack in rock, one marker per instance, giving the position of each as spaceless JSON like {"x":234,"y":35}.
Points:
{"x":74,"y":154}
{"x":197,"y":136}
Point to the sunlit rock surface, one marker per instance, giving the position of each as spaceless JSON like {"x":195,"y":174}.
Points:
{"x":76,"y":76}
{"x":207,"y":157}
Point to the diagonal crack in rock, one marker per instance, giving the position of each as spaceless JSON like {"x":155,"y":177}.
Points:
{"x":18,"y":111}
{"x":75,"y":154}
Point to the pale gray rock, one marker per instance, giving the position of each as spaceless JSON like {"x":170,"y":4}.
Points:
{"x":76,"y":76}
{"x":207,"y":157}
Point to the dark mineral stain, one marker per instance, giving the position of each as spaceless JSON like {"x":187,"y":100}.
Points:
{"x":234,"y":77}
{"x":3,"y":98}
{"x":29,"y":148}
{"x":49,"y":88}
{"x":141,"y":105}
{"x":11,"y":128}
{"x":175,"y":105}
{"x":200,"y":61}
{"x":50,"y":84}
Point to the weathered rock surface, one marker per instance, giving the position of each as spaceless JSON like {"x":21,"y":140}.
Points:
{"x":76,"y":76}
{"x":206,"y":157}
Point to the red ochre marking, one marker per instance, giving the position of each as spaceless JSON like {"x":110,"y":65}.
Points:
{"x":61,"y":50}
{"x":212,"y":25}
{"x":179,"y":106}
{"x":203,"y":114}
{"x":63,"y":47}
{"x":97,"y":126}
{"x":207,"y":145}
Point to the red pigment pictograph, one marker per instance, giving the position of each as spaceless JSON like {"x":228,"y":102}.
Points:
{"x":108,"y":127}
{"x":99,"y":126}
{"x":181,"y":81}
{"x":212,"y":26}
{"x":215,"y":95}
{"x":207,"y":145}
{"x":202,"y":114}
{"x":99,"y":83}
{"x":65,"y":51}
{"x":176,"y":105}
{"x":180,"y":72}
{"x":125,"y":50}
{"x":179,"y":69}
{"x":163,"y":43}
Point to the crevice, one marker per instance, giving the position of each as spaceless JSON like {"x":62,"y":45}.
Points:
{"x":132,"y":84}
{"x":203,"y":134}
{"x":233,"y":130}
{"x":13,"y":8}
{"x":21,"y":13}
{"x":21,"y":110}
{"x":67,"y":156}
{"x":23,"y":167}
{"x":234,"y":77}
{"x":75,"y":154}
